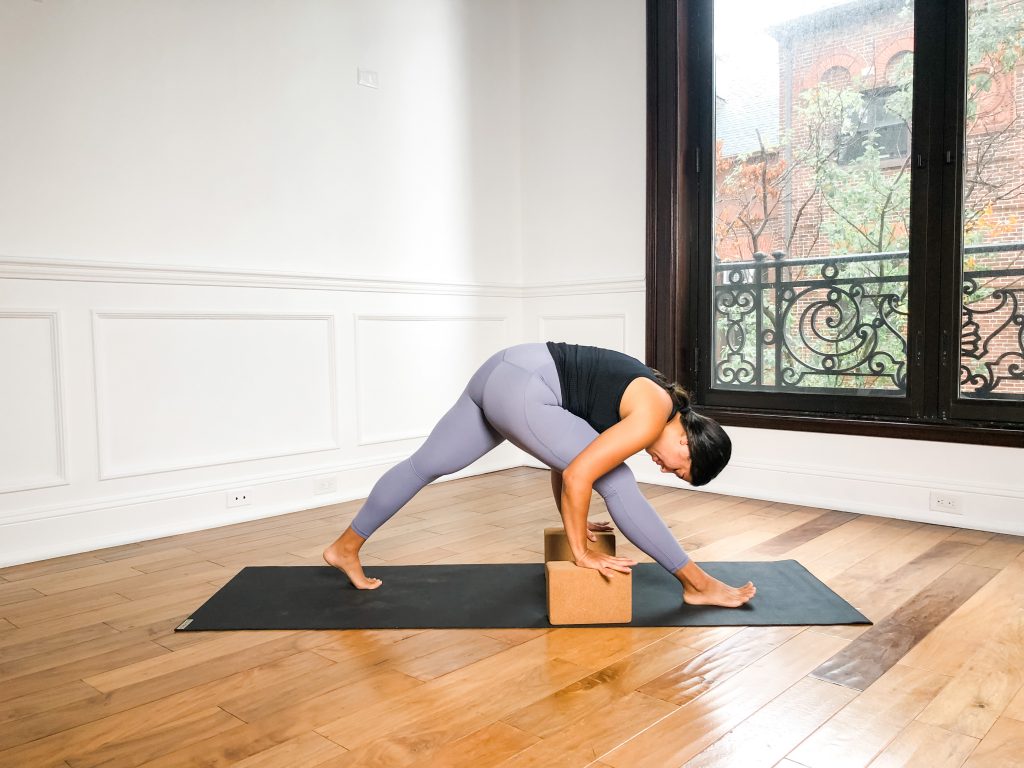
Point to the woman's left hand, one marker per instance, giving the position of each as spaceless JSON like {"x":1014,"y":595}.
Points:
{"x":591,"y":527}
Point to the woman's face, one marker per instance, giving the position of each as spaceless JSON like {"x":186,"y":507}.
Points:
{"x":671,"y":451}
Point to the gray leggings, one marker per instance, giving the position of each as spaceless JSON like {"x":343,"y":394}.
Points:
{"x":515,"y":396}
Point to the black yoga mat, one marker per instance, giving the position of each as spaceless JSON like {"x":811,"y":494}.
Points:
{"x":499,"y":596}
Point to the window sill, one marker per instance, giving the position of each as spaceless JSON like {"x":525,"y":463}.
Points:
{"x":949,"y":432}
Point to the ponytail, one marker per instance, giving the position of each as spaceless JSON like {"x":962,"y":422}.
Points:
{"x":680,"y":397}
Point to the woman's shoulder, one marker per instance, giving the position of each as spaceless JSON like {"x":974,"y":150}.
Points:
{"x":644,"y":392}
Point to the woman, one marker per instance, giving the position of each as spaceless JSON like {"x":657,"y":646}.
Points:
{"x":583,"y":411}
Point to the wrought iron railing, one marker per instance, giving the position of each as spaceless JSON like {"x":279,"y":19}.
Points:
{"x":836,"y":323}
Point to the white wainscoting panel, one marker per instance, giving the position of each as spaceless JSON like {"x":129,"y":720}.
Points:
{"x":182,"y":390}
{"x":32,"y":445}
{"x":596,"y":330}
{"x":410,"y":369}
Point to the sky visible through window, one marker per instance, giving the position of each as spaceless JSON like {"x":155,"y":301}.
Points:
{"x":747,"y":67}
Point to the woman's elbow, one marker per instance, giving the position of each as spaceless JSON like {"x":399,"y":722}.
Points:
{"x":576,"y":484}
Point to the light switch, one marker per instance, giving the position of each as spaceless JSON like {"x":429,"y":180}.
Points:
{"x":368,"y":78}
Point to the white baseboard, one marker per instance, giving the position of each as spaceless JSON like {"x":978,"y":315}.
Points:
{"x":993,"y":509}
{"x":128,"y":520}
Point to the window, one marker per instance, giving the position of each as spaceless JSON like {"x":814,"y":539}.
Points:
{"x":844,"y":245}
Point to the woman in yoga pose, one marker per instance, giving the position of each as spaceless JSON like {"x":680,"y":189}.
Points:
{"x":582,"y":411}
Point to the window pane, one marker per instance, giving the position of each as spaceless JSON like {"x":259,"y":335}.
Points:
{"x":992,"y":331}
{"x":812,"y":195}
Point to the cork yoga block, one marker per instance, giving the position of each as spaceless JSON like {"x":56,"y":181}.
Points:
{"x":585,"y":596}
{"x":556,"y":544}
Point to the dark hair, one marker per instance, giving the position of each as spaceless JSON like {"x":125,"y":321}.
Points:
{"x":710,"y":446}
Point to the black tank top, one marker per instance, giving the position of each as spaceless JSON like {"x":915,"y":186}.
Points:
{"x":593,"y":380}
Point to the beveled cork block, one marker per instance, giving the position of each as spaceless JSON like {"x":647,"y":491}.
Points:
{"x":585,"y":596}
{"x":556,"y":544}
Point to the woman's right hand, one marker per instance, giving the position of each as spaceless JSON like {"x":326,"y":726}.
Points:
{"x":606,"y":564}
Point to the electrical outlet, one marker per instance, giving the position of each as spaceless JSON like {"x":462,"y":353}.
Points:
{"x":950,"y":503}
{"x":367,"y":78}
{"x":325,"y":484}
{"x":239,"y":498}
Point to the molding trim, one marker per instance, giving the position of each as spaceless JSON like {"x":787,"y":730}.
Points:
{"x":60,"y":428}
{"x":105,"y":473}
{"x":909,"y":481}
{"x":357,"y":383}
{"x":786,"y":496}
{"x":55,"y":511}
{"x":590,"y":287}
{"x":82,"y":270}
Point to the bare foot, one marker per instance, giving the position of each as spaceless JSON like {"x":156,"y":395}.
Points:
{"x":715,"y":592}
{"x":348,"y":561}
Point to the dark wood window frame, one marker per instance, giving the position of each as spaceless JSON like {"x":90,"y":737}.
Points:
{"x":680,"y":135}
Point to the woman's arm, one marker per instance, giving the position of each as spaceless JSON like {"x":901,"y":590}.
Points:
{"x":605,"y":452}
{"x":556,"y":488}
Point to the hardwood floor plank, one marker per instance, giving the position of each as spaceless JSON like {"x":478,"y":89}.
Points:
{"x":55,"y":583}
{"x":106,"y":716}
{"x":152,"y":740}
{"x":985,"y":684}
{"x":119,"y":616}
{"x":250,"y":739}
{"x":71,"y":656}
{"x":599,"y":731}
{"x":769,"y":734}
{"x":805,"y":532}
{"x":596,"y":647}
{"x":498,"y":685}
{"x":53,"y":644}
{"x":878,"y":597}
{"x":306,"y":751}
{"x":30,"y":704}
{"x":148,"y":561}
{"x":874,"y":652}
{"x":174,"y":578}
{"x":13,"y":592}
{"x":463,"y":647}
{"x":1015,"y":708}
{"x":51,"y":678}
{"x":864,"y":728}
{"x":316,"y":681}
{"x":835,"y":540}
{"x":954,"y":641}
{"x":879,"y":554}
{"x":564,"y":708}
{"x":925,"y":746}
{"x":53,"y":565}
{"x":49,"y":607}
{"x":717,"y":664}
{"x":1002,"y":746}
{"x":997,"y":552}
{"x":703,"y":638}
{"x":487,"y":746}
{"x":692,"y":728}
{"x":226,"y":645}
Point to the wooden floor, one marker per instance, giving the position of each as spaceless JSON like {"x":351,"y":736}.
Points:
{"x":91,"y":672}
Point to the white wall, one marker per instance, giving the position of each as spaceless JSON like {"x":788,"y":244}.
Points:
{"x":232,"y":134}
{"x":584,"y":140}
{"x":215,"y":248}
{"x":225,"y":266}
